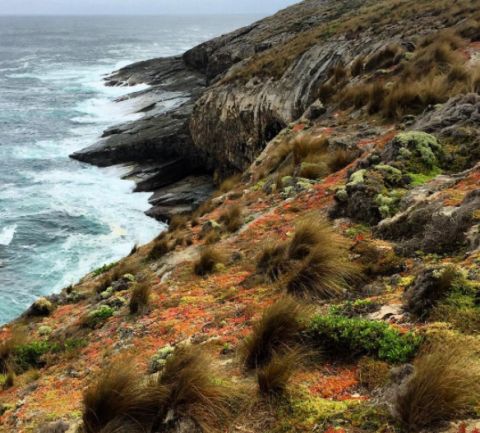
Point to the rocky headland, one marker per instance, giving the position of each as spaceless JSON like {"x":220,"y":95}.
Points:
{"x":320,"y":171}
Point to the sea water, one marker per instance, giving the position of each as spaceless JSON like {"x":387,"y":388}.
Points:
{"x":59,"y":218}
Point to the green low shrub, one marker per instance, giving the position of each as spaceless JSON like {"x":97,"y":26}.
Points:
{"x":356,"y":337}
{"x":98,"y":316}
{"x":30,"y":355}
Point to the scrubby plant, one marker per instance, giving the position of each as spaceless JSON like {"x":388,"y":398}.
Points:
{"x":7,"y":348}
{"x":357,"y":66}
{"x":372,"y":373}
{"x":324,"y":274}
{"x":272,"y":261}
{"x":213,"y":237}
{"x":445,"y":385}
{"x":273,"y":378}
{"x":232,"y":218}
{"x":177,"y":222}
{"x":193,"y":389}
{"x":118,"y":396}
{"x":384,"y":58}
{"x":313,"y":264}
{"x":360,"y":307}
{"x":98,"y":316}
{"x":307,"y":147}
{"x":277,"y":332}
{"x":40,"y":308}
{"x":140,"y":298}
{"x":9,"y":380}
{"x":208,"y":261}
{"x":231,"y":182}
{"x":28,"y":355}
{"x":102,"y":269}
{"x":186,"y":388}
{"x":355,"y":337}
{"x":160,"y":247}
{"x":125,"y":267}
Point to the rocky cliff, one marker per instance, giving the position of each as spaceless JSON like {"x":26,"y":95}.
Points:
{"x":332,"y":287}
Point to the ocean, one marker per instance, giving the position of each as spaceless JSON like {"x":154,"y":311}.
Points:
{"x":60,"y":219}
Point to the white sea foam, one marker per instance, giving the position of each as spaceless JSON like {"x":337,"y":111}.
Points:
{"x":7,"y":234}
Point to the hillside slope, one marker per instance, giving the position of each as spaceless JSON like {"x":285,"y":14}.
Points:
{"x":330,"y":285}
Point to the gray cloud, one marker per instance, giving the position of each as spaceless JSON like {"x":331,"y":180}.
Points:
{"x":183,"y":7}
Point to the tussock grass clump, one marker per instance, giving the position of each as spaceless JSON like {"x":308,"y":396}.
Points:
{"x":445,"y":385}
{"x":357,"y":66}
{"x":274,"y":377}
{"x":273,"y":261}
{"x":186,"y":388}
{"x":160,"y":247}
{"x":277,"y":332}
{"x":232,"y":218}
{"x":177,"y":222}
{"x":118,"y":396}
{"x":7,"y":350}
{"x":307,"y":147}
{"x":385,"y":58}
{"x":324,"y":274}
{"x":432,"y":74}
{"x":314,"y":264}
{"x":140,"y":299}
{"x":231,"y":182}
{"x":128,"y":266}
{"x":208,"y":260}
{"x":193,"y":390}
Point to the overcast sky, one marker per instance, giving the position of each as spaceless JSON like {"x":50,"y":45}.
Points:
{"x":147,"y":7}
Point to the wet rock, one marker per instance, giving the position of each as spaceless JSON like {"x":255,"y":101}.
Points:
{"x":180,"y":197}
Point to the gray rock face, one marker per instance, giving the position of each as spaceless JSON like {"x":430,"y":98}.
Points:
{"x":431,"y":226}
{"x":180,"y":197}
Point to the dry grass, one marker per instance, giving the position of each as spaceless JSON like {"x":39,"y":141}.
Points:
{"x":314,"y":264}
{"x":277,"y":332}
{"x":193,"y":391}
{"x":272,"y":262}
{"x":385,"y":58}
{"x":445,"y":386}
{"x":119,"y":395}
{"x":186,"y":388}
{"x":160,"y":247}
{"x":7,"y":348}
{"x":357,"y":66}
{"x":178,"y":222}
{"x":274,"y":377}
{"x":213,"y":237}
{"x":307,"y":147}
{"x":140,"y":299}
{"x":208,"y":260}
{"x":230,"y":183}
{"x":435,"y":72}
{"x":324,"y":274}
{"x":126,"y":266}
{"x":232,"y":218}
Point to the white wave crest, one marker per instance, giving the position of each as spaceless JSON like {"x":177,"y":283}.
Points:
{"x":7,"y":234}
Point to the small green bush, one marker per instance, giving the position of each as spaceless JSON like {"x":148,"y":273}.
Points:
{"x":102,"y":269}
{"x":355,"y":337}
{"x":98,"y":316}
{"x":30,"y":355}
